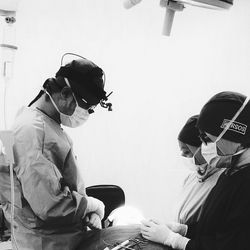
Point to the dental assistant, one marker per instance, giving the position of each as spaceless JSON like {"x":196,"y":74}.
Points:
{"x":197,"y":185}
{"x":224,"y":222}
{"x":52,"y":209}
{"x":202,"y":178}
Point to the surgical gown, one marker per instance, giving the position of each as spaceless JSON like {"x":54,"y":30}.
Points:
{"x":50,"y":198}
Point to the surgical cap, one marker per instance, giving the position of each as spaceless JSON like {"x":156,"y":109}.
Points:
{"x":189,"y":134}
{"x":86,"y":80}
{"x":219,"y":110}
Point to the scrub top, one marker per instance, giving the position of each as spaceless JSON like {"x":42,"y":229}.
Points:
{"x":192,"y":196}
{"x":225,"y":218}
{"x":50,"y":198}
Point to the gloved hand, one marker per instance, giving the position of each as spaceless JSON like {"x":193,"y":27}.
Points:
{"x":174,"y":226}
{"x":96,"y":206}
{"x":178,"y":228}
{"x":160,"y":233}
{"x":93,"y":221}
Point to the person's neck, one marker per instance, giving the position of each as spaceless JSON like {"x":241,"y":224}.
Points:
{"x":47,"y":108}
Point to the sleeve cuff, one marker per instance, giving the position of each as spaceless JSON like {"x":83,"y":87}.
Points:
{"x":176,"y":241}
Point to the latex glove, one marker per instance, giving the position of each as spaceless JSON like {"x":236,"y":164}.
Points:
{"x":160,"y":233}
{"x":93,"y":221}
{"x":95,"y":206}
{"x":178,"y":228}
{"x":174,"y":226}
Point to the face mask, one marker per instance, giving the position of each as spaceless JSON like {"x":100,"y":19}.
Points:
{"x":189,"y":163}
{"x":209,"y":151}
{"x":79,"y":116}
{"x":210,"y":154}
{"x":203,"y":169}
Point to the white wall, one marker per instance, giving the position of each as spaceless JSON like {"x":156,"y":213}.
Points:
{"x":158,"y":82}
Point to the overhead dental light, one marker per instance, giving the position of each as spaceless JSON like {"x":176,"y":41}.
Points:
{"x":178,"y":5}
{"x":130,"y":3}
{"x":8,"y":7}
{"x":212,"y":4}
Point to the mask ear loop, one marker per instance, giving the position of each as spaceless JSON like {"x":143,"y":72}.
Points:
{"x":233,"y":119}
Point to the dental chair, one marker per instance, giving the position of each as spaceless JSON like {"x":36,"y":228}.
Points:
{"x":111,"y":195}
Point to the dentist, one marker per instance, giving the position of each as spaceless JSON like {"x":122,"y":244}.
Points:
{"x":52,"y":209}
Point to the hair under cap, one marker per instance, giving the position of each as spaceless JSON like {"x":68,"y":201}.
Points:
{"x":86,"y":80}
{"x":189,"y":134}
{"x":219,"y":110}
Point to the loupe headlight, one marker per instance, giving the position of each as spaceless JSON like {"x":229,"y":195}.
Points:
{"x":106,"y":104}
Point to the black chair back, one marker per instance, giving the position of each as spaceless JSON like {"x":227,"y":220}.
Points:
{"x":111,"y":195}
